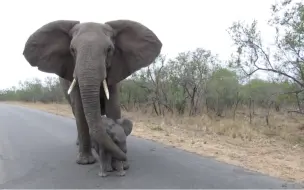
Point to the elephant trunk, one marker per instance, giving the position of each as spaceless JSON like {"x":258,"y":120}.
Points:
{"x":90,"y":74}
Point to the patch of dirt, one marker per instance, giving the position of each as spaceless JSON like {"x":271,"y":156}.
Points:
{"x":240,"y":145}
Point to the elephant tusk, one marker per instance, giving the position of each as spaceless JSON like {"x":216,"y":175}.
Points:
{"x":72,"y":86}
{"x":105,"y":87}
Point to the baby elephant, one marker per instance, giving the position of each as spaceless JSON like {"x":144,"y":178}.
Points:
{"x":118,"y":130}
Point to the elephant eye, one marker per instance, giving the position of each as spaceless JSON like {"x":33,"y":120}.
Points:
{"x":109,"y":50}
{"x":109,"y":53}
{"x":115,"y":141}
{"x":73,"y":51}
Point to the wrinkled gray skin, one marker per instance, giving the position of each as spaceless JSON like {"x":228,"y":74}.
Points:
{"x":118,"y":131}
{"x":106,"y":122}
{"x":92,"y":52}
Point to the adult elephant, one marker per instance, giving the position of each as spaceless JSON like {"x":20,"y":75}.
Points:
{"x":94,"y":57}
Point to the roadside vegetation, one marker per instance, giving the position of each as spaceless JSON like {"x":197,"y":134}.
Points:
{"x":218,"y":108}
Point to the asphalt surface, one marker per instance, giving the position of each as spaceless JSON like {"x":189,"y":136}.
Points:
{"x":37,"y":150}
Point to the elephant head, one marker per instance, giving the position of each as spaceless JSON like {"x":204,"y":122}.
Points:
{"x":118,"y":130}
{"x":93,"y":54}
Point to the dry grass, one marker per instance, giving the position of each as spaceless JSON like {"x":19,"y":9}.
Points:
{"x":276,"y":150}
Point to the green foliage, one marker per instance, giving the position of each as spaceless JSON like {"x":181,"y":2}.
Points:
{"x":285,"y":57}
{"x":188,"y":84}
{"x":222,"y":89}
{"x":34,"y":90}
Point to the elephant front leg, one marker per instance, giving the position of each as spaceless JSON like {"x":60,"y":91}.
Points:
{"x":108,"y":164}
{"x":65,"y":84}
{"x":118,"y":165}
{"x":112,"y":106}
{"x":105,"y":163}
{"x":85,"y":155}
{"x":125,"y":164}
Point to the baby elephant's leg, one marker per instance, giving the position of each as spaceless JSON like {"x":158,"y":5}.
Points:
{"x":103,"y":163}
{"x":119,"y":167}
{"x":108,"y":164}
{"x":126,"y":164}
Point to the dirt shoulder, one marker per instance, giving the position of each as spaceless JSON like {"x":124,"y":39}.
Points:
{"x":270,"y":156}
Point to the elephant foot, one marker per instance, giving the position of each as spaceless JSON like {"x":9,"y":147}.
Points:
{"x":121,"y":173}
{"x":126,"y":165}
{"x":85,"y":159}
{"x":102,"y":174}
{"x":109,"y":168}
{"x":119,"y":165}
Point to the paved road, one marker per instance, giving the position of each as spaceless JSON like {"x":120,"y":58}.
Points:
{"x":37,"y":150}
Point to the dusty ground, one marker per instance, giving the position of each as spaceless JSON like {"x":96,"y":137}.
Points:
{"x":276,"y":151}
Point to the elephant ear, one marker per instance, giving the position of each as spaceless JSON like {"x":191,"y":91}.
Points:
{"x":126,"y":124}
{"x":48,"y":48}
{"x":136,"y":46}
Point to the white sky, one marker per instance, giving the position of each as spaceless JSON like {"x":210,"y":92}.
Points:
{"x":181,"y":25}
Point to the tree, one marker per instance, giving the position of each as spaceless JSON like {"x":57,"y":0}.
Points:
{"x":285,"y":58}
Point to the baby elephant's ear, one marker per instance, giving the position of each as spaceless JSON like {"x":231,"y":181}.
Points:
{"x":126,"y":124}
